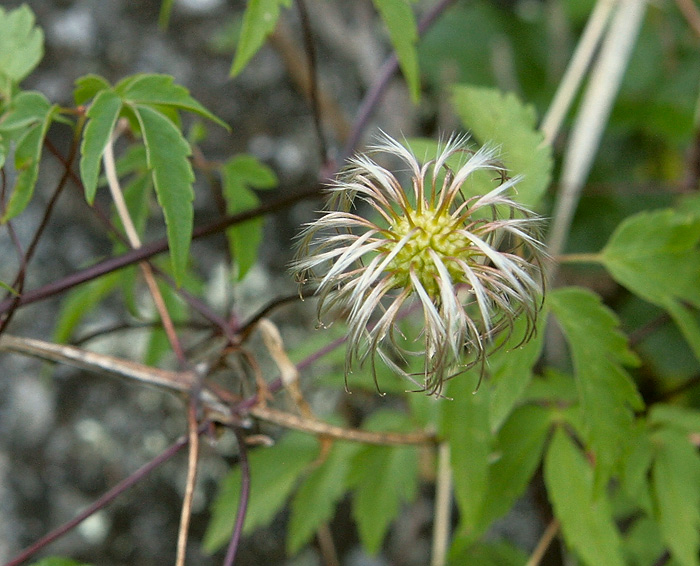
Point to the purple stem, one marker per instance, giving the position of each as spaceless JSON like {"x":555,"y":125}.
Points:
{"x":243,"y":503}
{"x":103,"y":501}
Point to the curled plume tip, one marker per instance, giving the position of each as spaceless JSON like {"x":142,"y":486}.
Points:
{"x":471,"y":264}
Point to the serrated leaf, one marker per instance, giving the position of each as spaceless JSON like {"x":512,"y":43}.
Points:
{"x":259,"y":21}
{"x":502,"y":119}
{"x":27,"y":158}
{"x":519,"y":447}
{"x":676,"y":480}
{"x":314,"y":502}
{"x":586,"y":519}
{"x":88,"y":86}
{"x":102,"y":117}
{"x":606,"y":391}
{"x":274,"y":473}
{"x":383,"y":477}
{"x":161,"y":90}
{"x":403,"y":31}
{"x":464,"y":424}
{"x":167,"y":152}
{"x":21,"y":43}
{"x":240,"y":173}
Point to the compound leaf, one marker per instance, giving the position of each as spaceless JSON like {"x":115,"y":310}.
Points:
{"x":167,"y":153}
{"x":676,"y":481}
{"x":21,"y":44}
{"x":102,"y":116}
{"x":502,"y":119}
{"x":383,"y":477}
{"x":586,"y":518}
{"x":87,"y":87}
{"x":606,"y":391}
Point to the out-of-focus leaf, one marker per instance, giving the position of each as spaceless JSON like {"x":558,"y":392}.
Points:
{"x":161,"y":90}
{"x":383,"y":477}
{"x":80,"y":302}
{"x":274,"y":473}
{"x":167,"y":152}
{"x":87,"y":87}
{"x":27,"y":108}
{"x":259,"y":21}
{"x":27,"y":158}
{"x":656,"y":255}
{"x":464,"y":553}
{"x":21,"y":46}
{"x":519,"y":448}
{"x":401,"y":23}
{"x":634,"y":472}
{"x":58,"y":561}
{"x":599,"y":350}
{"x":239,"y":174}
{"x":676,"y":481}
{"x":315,"y":501}
{"x":681,"y":418}
{"x":102,"y":116}
{"x":584,"y":513}
{"x":501,"y":119}
{"x":510,"y":370}
{"x":465,"y":426}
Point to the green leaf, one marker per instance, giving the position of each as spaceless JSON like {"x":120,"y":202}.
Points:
{"x":315,"y":501}
{"x":259,"y":21}
{"x":383,"y":477}
{"x":102,"y":116}
{"x":274,"y":473}
{"x":160,"y":90}
{"x":519,"y":447}
{"x":58,"y":561}
{"x":167,"y":152}
{"x":465,"y":426}
{"x":643,"y":542}
{"x":607,"y":393}
{"x":682,"y":418}
{"x":635,"y":466}
{"x":27,"y":108}
{"x":21,"y":44}
{"x":79,"y":302}
{"x":510,"y":370}
{"x":655,"y":255}
{"x":586,"y":519}
{"x":27,"y":158}
{"x":401,"y":23}
{"x":676,"y":481}
{"x":501,"y":119}
{"x":500,"y":553}
{"x":88,"y":86}
{"x":240,"y":173}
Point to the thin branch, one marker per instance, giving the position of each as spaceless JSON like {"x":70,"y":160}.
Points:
{"x":541,"y":549}
{"x":314,"y":93}
{"x":152,"y":249}
{"x":443,"y":507}
{"x":243,"y":501}
{"x":100,"y":503}
{"x":135,"y":242}
{"x":376,"y":92}
{"x":192,"y":458}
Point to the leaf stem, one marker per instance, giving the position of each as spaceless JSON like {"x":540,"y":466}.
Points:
{"x":580,"y":258}
{"x":443,"y":506}
{"x":243,"y":502}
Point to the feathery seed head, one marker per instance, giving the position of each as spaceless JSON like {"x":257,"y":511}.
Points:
{"x":471,"y":263}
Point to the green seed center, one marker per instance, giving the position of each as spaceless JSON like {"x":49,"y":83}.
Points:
{"x":428,"y":232}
